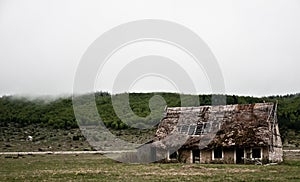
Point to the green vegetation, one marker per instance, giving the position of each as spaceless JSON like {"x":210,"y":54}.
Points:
{"x":58,"y":114}
{"x":98,"y":168}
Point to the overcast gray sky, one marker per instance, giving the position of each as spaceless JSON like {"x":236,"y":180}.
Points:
{"x":256,"y":42}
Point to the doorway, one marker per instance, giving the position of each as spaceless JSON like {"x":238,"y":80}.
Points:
{"x":196,"y":156}
{"x":240,"y":156}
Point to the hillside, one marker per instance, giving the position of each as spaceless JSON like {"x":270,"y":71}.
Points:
{"x":20,"y":112}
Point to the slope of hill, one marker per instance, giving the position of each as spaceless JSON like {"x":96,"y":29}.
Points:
{"x":20,"y":112}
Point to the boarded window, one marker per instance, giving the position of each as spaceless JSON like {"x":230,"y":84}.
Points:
{"x":256,"y":153}
{"x":218,"y":154}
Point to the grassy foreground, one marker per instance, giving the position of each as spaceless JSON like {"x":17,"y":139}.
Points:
{"x":99,"y":168}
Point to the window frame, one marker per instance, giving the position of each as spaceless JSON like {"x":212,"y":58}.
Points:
{"x":213,"y":153}
{"x":260,"y":150}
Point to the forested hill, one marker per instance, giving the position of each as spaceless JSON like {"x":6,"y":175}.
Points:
{"x":58,"y":113}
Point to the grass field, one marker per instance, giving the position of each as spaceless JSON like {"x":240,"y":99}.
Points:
{"x":99,"y":168}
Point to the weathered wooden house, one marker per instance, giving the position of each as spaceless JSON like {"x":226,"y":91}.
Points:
{"x":219,"y":134}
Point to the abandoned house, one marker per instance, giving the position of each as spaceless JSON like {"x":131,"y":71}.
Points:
{"x":219,"y":134}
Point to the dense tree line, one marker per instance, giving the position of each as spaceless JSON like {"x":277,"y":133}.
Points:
{"x":58,"y":113}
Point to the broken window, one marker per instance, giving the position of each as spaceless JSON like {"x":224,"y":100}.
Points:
{"x":199,"y":129}
{"x":173,"y":155}
{"x":218,"y":153}
{"x":184,"y":129}
{"x":206,"y":128}
{"x":187,"y":129}
{"x":192,"y":130}
{"x":256,"y":153}
{"x":215,"y":126}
